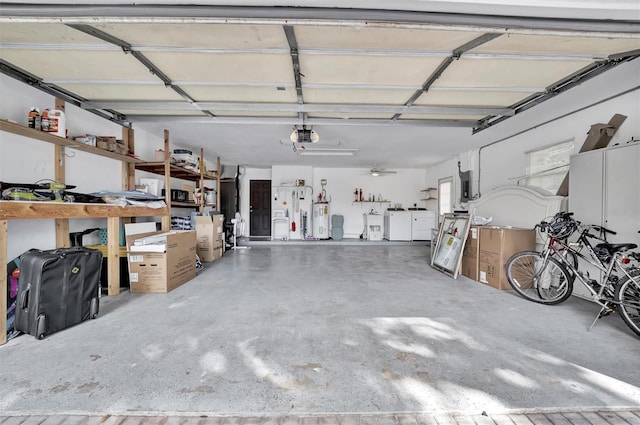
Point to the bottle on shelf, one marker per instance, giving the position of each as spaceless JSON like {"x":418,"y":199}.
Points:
{"x":34,"y":118}
{"x":361,"y":198}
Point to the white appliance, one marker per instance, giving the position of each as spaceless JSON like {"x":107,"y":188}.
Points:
{"x":397,"y":225}
{"x":373,"y":226}
{"x":422,"y":222}
{"x":320,"y":220}
{"x":279,"y":226}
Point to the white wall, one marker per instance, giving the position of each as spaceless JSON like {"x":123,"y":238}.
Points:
{"x":403,"y":188}
{"x":503,"y":160}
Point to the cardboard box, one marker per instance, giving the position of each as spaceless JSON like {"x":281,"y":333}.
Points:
{"x":470,"y":254}
{"x":210,"y":237}
{"x":161,"y":272}
{"x":496,"y":246}
{"x":598,"y":137}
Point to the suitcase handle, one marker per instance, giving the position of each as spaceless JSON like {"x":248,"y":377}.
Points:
{"x":24,"y":298}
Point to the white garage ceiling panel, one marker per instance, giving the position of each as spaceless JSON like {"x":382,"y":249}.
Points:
{"x":381,"y":38}
{"x":76,"y":64}
{"x":356,"y":78}
{"x":471,"y":98}
{"x":440,"y":117}
{"x":253,"y":114}
{"x":469,"y":72}
{"x":347,"y":95}
{"x":161,"y":112}
{"x":350,"y":115}
{"x":339,"y":69}
{"x":199,"y":35}
{"x":45,"y":33}
{"x":235,"y":67}
{"x":240,"y":94}
{"x":514,"y":43}
{"x":122,"y":91}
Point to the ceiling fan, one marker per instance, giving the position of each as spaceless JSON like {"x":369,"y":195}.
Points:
{"x":376,"y":171}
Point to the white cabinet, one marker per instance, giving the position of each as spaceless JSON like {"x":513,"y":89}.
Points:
{"x":397,"y":225}
{"x":604,"y":189}
{"x":421,"y":224}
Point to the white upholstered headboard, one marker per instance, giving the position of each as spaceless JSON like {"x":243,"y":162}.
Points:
{"x":517,"y":206}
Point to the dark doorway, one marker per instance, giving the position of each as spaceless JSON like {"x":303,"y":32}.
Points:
{"x":228,"y":204}
{"x":260,"y":208}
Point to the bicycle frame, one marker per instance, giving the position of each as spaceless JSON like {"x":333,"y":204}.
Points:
{"x":556,"y":245}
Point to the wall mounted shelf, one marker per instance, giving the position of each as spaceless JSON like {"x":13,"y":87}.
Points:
{"x":43,"y":136}
{"x":428,"y":194}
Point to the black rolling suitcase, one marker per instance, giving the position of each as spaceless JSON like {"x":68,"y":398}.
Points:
{"x":57,"y":289}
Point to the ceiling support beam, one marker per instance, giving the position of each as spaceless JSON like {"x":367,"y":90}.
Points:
{"x":455,"y":55}
{"x":295,"y":59}
{"x":298,"y":108}
{"x":129,"y":49}
{"x":244,"y":120}
{"x":142,"y":13}
{"x":318,"y":51}
{"x":561,"y":86}
{"x":58,"y":92}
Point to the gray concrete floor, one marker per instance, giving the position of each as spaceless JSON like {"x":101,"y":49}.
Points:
{"x":334,"y":329}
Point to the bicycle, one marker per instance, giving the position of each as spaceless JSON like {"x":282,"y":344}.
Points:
{"x":547,"y":277}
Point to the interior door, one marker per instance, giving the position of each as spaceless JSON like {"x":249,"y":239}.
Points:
{"x":260,"y":208}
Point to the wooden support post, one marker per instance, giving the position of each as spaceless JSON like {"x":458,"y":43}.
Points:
{"x":3,"y":281}
{"x":218,"y":174}
{"x":113,"y":260}
{"x":62,"y":224}
{"x":166,"y":220}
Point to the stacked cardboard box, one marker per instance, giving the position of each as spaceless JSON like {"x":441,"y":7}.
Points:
{"x":210,"y":235}
{"x":496,"y":246}
{"x":160,"y":262}
{"x":470,"y":254}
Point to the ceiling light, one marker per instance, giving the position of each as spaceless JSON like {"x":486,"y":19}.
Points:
{"x":304,"y":134}
{"x":375,"y":173}
{"x":327,"y":152}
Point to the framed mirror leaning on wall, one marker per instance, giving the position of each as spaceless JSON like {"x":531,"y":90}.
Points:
{"x":446,"y":252}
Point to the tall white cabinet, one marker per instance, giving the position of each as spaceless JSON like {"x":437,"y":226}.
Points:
{"x":604,"y":189}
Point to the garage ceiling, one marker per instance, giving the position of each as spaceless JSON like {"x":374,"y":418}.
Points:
{"x":237,"y":82}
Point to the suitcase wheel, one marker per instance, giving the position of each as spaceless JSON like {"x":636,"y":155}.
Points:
{"x":95,"y":307}
{"x":41,"y":326}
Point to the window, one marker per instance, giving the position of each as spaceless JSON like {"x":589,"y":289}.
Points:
{"x":547,"y":167}
{"x":445,"y":195}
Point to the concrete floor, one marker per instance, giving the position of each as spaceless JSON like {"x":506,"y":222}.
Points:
{"x":318,"y":329}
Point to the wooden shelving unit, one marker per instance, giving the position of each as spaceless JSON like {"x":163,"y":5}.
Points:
{"x":169,"y":171}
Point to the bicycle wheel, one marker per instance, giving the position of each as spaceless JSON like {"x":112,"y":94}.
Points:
{"x":540,"y":281}
{"x":628,"y":296}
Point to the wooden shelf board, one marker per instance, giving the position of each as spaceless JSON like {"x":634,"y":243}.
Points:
{"x":370,"y":202}
{"x":184,"y":204}
{"x":12,"y":210}
{"x":429,"y":189}
{"x":32,"y":133}
{"x":429,"y":199}
{"x":177,"y":172}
